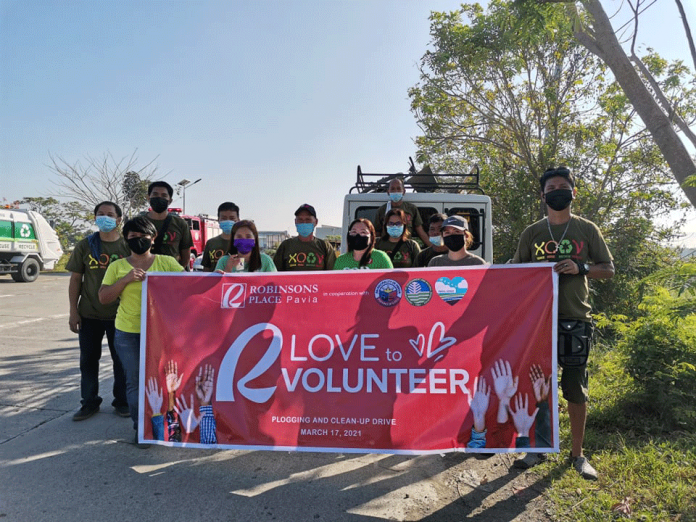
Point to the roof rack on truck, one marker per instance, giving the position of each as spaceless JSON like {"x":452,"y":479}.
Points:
{"x":420,"y":181}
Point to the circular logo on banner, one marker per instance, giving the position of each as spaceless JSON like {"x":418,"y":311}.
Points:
{"x":388,"y":292}
{"x":418,"y":292}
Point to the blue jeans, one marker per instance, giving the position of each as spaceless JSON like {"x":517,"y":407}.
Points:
{"x":91,"y":335}
{"x":128,"y":350}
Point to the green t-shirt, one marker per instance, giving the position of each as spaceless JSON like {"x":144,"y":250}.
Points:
{"x":583,"y":242}
{"x":378,"y":259}
{"x":176,"y":238}
{"x":294,"y":254}
{"x":267,"y":264}
{"x":82,"y":262}
{"x":406,"y":255}
{"x":128,"y":315}
{"x":444,"y":260}
{"x":214,"y":249}
{"x":412,"y":216}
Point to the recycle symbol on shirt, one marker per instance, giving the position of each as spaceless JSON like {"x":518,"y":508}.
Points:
{"x":565,"y":247}
{"x":25,"y":231}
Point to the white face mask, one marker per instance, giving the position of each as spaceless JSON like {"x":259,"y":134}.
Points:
{"x":436,"y":240}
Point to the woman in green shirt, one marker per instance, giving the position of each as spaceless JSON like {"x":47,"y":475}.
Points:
{"x":361,"y":253}
{"x":244,"y":254}
{"x":396,"y":241}
{"x":124,"y":279}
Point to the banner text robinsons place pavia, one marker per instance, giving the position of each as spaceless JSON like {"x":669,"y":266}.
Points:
{"x":399,"y":361}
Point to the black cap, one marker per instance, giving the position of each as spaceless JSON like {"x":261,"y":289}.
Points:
{"x":307,"y":208}
{"x":457,"y":222}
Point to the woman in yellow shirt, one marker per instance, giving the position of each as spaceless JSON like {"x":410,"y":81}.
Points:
{"x":123,"y":279}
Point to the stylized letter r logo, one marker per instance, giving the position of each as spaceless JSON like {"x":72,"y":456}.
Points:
{"x":233,"y":295}
{"x":225,"y":383}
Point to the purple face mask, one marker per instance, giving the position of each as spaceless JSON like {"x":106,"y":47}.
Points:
{"x":244,"y":246}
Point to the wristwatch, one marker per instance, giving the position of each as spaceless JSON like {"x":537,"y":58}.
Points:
{"x":583,"y":268}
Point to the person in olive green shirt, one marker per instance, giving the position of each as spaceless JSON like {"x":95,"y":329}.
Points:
{"x":90,"y":319}
{"x":123,"y":282}
{"x":578,"y":252}
{"x":414,"y":222}
{"x":361,"y":253}
{"x":396,"y":241}
{"x":305,"y":252}
{"x":215,"y":248}
{"x":437,"y":248}
{"x":247,"y":255}
{"x":176,"y":241}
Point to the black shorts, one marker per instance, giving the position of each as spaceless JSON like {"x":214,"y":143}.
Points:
{"x":574,"y":344}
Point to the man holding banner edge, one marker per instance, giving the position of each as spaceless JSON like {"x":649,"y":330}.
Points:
{"x":570,"y":242}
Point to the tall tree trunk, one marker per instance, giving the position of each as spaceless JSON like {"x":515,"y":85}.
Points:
{"x":602,"y":41}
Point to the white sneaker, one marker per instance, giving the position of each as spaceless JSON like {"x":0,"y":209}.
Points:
{"x":583,"y":466}
{"x":529,"y":460}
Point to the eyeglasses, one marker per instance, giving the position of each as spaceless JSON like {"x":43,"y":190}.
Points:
{"x":394,"y":223}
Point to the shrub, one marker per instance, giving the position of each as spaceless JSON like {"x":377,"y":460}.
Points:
{"x":660,"y":350}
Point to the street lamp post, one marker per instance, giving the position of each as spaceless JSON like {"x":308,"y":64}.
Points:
{"x":183,"y":184}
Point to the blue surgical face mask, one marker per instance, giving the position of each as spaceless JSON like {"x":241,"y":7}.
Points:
{"x":105,"y":223}
{"x":436,"y":240}
{"x":395,"y":230}
{"x":396,"y":197}
{"x":226,"y":226}
{"x":305,"y":229}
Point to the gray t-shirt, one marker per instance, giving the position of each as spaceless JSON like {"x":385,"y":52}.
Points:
{"x":444,"y":260}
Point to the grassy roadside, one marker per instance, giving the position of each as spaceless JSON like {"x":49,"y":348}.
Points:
{"x":642,"y":466}
{"x":60,"y":265}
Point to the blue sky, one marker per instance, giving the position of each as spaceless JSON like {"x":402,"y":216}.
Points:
{"x":272,"y":104}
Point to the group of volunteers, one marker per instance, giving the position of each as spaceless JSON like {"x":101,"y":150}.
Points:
{"x":108,"y":268}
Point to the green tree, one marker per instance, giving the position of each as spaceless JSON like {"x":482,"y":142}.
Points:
{"x":70,"y":220}
{"x":663,"y":117}
{"x":517,"y":100}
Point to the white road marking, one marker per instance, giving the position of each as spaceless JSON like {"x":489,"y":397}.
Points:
{"x":27,"y":321}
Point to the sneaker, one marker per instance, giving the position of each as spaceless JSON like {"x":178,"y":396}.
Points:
{"x":529,"y":460}
{"x":138,"y":444}
{"x":85,"y":412}
{"x":583,"y":466}
{"x":122,"y":411}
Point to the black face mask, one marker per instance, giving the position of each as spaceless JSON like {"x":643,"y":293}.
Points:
{"x":559,"y":199}
{"x":358,"y":242}
{"x":139,"y":245}
{"x":454,"y":242}
{"x":159,"y":205}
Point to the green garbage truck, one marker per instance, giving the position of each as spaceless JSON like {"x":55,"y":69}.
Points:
{"x":28,"y":244}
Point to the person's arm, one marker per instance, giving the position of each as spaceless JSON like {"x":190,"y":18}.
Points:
{"x":74,"y":288}
{"x":424,"y":237}
{"x":185,"y":257}
{"x":109,"y":293}
{"x":205,"y":382}
{"x":173,"y":381}
{"x":330,"y":256}
{"x":601,"y":271}
{"x":522,"y":420}
{"x":206,"y":260}
{"x":278,"y":258}
{"x":154,"y":399}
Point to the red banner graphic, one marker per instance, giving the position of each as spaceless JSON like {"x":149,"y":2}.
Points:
{"x":398,"y":361}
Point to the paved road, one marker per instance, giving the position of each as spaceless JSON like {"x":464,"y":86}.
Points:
{"x":52,"y":468}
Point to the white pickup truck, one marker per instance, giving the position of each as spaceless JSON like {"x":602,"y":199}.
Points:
{"x":448,"y":194}
{"x":28,"y":244}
